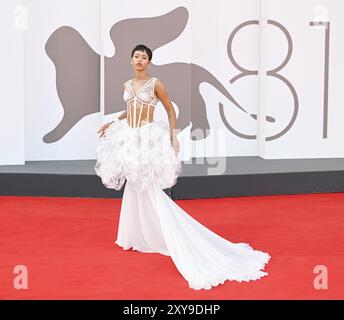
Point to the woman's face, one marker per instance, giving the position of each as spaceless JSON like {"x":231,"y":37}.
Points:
{"x":140,"y":60}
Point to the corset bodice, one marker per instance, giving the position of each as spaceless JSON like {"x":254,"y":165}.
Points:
{"x":143,"y":99}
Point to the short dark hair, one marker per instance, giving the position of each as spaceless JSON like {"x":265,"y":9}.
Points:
{"x":142,"y":47}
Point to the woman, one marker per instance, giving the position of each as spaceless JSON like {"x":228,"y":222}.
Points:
{"x":144,"y":153}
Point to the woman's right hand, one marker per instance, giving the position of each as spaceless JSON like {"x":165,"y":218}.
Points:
{"x":103,"y":129}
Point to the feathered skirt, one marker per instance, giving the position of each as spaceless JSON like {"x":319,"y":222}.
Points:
{"x":142,"y":156}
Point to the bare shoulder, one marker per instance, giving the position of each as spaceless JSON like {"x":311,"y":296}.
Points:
{"x":159,"y":86}
{"x":161,"y":90}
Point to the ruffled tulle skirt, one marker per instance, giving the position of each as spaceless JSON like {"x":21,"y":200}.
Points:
{"x":141,"y":155}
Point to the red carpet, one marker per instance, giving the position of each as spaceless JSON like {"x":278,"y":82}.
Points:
{"x":67,"y":246}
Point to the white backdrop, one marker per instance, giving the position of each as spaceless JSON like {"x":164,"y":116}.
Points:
{"x":306,"y":72}
{"x":212,"y":24}
{"x":296,"y":98}
{"x":43,"y":109}
{"x":12,"y":22}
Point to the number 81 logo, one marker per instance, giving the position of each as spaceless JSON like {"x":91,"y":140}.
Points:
{"x":275,"y":73}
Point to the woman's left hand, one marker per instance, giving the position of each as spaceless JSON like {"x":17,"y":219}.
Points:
{"x":175,"y":145}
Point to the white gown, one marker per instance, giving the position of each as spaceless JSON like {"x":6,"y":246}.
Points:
{"x":152,"y":222}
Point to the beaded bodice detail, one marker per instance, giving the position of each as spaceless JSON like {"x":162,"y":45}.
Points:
{"x":139,"y":102}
